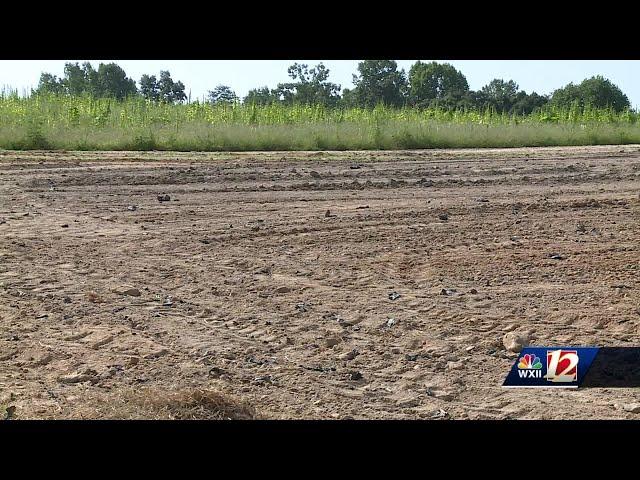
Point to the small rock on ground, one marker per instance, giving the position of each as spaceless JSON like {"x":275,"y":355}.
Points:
{"x":349,"y":355}
{"x":631,"y":407}
{"x":332,"y":341}
{"x":132,"y":292}
{"x":515,"y":342}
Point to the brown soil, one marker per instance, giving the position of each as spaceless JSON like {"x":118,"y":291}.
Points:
{"x":263,"y":287}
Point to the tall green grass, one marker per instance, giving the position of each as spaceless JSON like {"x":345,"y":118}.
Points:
{"x":85,"y":123}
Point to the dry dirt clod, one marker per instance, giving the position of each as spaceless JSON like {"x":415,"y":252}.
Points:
{"x":102,"y":342}
{"x":631,"y":407}
{"x":515,"y":342}
{"x":8,"y":355}
{"x":319,"y":368}
{"x":93,"y":297}
{"x":131,"y":292}
{"x":440,"y":413}
{"x":263,"y":379}
{"x":215,"y":372}
{"x":44,"y":360}
{"x":76,"y":378}
{"x":133,"y":361}
{"x":332,"y":341}
{"x":160,"y":353}
{"x":455,"y":365}
{"x":440,"y":394}
{"x":349,"y":355}
{"x":10,"y":412}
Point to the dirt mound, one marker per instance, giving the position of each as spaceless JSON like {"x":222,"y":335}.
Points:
{"x":153,"y":403}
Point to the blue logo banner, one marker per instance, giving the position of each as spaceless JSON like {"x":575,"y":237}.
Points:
{"x":564,"y":367}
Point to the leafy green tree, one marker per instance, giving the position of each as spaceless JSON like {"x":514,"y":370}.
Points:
{"x":170,"y":91}
{"x":505,"y":97}
{"x":149,"y":88}
{"x":348,"y":99}
{"x":596,"y":92}
{"x":163,"y":89}
{"x":92,"y":81}
{"x":261,"y":96}
{"x":468,"y":101}
{"x":75,"y":78}
{"x":222,"y":94}
{"x":379,"y":81}
{"x":436,"y":84}
{"x":568,"y":95}
{"x":50,"y":84}
{"x":528,"y":103}
{"x":499,"y":94}
{"x":311,"y":86}
{"x":110,"y":80}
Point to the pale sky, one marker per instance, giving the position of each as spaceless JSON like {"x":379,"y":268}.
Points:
{"x":199,"y":76}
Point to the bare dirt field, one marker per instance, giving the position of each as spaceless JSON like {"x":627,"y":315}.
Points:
{"x":365,"y":285}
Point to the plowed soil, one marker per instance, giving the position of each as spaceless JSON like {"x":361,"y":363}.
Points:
{"x":366,"y":285}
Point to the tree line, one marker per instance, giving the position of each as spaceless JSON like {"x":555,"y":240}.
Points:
{"x":426,"y":85}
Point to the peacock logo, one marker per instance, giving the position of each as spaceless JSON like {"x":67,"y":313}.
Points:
{"x":529,"y":361}
{"x":529,"y":366}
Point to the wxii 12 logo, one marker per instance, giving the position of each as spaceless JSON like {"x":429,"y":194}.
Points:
{"x":562,"y":367}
